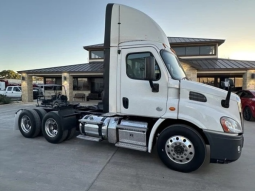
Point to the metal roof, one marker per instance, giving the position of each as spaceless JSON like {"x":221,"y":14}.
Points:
{"x":94,"y":46}
{"x":92,"y":67}
{"x":187,"y":40}
{"x":205,"y":64}
{"x":219,"y":64}
{"x":172,"y":41}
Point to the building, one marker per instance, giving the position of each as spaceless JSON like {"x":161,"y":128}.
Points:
{"x":198,"y":56}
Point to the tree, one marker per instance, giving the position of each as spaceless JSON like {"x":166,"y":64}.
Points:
{"x":9,"y":74}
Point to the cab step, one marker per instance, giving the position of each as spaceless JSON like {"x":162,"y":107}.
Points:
{"x":131,"y":146}
{"x":88,"y":138}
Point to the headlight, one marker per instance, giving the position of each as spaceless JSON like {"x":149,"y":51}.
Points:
{"x":230,"y":125}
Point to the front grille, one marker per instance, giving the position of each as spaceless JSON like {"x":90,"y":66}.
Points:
{"x":197,"y":97}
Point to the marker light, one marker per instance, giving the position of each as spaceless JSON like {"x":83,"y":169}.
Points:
{"x":172,"y":108}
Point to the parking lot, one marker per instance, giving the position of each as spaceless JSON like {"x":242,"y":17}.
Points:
{"x":35,"y":164}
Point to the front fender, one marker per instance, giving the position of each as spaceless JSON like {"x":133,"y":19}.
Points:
{"x":152,"y":133}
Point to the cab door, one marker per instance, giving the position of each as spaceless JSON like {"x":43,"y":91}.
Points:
{"x":9,"y":92}
{"x":16,"y":92}
{"x":136,"y":95}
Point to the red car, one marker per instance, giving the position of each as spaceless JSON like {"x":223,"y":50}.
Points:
{"x":248,"y":103}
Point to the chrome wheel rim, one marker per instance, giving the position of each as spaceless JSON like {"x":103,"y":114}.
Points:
{"x":25,"y":124}
{"x":51,"y":127}
{"x":179,"y":149}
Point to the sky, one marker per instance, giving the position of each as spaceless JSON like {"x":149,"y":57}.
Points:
{"x":46,"y":33}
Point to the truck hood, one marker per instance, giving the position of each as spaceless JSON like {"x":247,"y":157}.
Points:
{"x":206,"y":110}
{"x":207,"y":90}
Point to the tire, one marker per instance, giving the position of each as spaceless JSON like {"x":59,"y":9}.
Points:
{"x":71,"y":133}
{"x":181,"y":148}
{"x":29,"y":123}
{"x":247,"y":114}
{"x":41,"y":112}
{"x":52,"y":128}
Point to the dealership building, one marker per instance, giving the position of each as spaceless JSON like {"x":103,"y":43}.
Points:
{"x":198,"y":56}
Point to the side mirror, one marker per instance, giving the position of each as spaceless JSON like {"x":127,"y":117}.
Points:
{"x":150,"y":68}
{"x":231,"y":83}
{"x":227,"y":83}
{"x":150,"y":73}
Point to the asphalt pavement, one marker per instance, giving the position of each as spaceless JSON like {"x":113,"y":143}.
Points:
{"x":79,"y":165}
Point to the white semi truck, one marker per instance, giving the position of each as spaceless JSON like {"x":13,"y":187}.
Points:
{"x":148,"y":101}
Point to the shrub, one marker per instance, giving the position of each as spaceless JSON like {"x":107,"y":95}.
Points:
{"x":4,"y":99}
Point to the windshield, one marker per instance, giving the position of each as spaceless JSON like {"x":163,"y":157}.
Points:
{"x":173,"y":65}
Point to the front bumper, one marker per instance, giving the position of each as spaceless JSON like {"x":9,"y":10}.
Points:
{"x":224,"y":148}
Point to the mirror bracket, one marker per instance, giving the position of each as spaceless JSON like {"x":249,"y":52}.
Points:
{"x":154,"y":87}
{"x":225,"y":103}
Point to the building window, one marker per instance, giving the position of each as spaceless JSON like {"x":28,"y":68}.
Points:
{"x":96,"y":54}
{"x":239,"y":82}
{"x":216,"y":81}
{"x":195,"y":50}
{"x":57,"y":81}
{"x":207,"y":50}
{"x":135,"y":66}
{"x":81,"y":84}
{"x":97,"y":85}
{"x":50,"y":80}
{"x":180,"y":50}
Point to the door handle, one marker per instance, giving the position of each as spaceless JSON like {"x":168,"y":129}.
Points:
{"x":125,"y":102}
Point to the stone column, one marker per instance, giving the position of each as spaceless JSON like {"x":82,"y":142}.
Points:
{"x":190,"y":71}
{"x":248,"y":82}
{"x":27,"y":87}
{"x":67,"y":81}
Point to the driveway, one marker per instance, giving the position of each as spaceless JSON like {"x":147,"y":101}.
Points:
{"x":35,"y":164}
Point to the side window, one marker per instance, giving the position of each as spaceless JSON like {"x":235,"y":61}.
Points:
{"x":9,"y":89}
{"x":243,"y":95}
{"x":16,"y":89}
{"x":248,"y":95}
{"x":239,"y":93}
{"x":135,"y":66}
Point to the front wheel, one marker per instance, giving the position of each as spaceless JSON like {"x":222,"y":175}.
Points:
{"x":247,"y":114}
{"x":181,"y":148}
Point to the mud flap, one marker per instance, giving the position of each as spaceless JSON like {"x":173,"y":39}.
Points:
{"x":16,"y":119}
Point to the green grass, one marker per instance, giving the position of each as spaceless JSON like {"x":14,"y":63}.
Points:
{"x":4,"y":99}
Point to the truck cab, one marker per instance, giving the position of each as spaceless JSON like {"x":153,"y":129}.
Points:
{"x":148,"y":101}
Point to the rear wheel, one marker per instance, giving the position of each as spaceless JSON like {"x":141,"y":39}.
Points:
{"x":41,"y":112}
{"x":52,"y":128}
{"x":71,"y":133}
{"x":29,"y":123}
{"x":181,"y":148}
{"x":247,"y":115}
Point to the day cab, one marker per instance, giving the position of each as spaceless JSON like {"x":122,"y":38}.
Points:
{"x":147,"y":101}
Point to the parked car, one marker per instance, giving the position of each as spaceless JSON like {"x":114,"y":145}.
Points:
{"x":12,"y":92}
{"x":16,"y":92}
{"x":248,"y":103}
